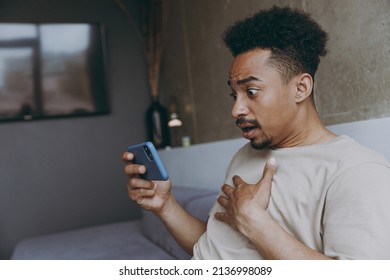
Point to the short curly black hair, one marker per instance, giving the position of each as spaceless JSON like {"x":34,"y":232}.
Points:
{"x":296,"y":41}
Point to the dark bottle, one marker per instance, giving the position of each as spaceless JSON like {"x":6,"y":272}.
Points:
{"x":157,"y":123}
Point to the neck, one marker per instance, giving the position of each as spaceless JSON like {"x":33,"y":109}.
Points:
{"x":306,"y":129}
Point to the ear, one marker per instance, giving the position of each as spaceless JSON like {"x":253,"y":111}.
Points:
{"x":304,"y":86}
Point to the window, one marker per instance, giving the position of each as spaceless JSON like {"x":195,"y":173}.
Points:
{"x":51,"y":70}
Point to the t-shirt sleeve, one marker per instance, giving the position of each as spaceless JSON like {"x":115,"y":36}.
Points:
{"x":356,"y":220}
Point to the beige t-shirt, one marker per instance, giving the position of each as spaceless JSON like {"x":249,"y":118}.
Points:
{"x":334,"y":197}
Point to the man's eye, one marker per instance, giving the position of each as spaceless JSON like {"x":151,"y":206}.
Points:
{"x":233,"y":95}
{"x":252,"y":91}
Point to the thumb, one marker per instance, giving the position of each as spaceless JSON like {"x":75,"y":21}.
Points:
{"x":269,"y":171}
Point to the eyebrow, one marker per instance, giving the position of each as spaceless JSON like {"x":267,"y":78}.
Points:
{"x":244,"y":81}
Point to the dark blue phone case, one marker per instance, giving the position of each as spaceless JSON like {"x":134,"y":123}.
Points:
{"x":147,"y":155}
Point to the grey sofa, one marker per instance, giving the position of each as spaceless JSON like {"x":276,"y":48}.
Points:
{"x":143,"y":239}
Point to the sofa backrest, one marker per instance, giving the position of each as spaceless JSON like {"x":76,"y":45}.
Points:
{"x":204,"y":165}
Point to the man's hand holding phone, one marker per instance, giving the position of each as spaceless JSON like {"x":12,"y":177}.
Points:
{"x":150,"y":194}
{"x":150,"y":187}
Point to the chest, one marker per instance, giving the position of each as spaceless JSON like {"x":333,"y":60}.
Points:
{"x":298,"y":193}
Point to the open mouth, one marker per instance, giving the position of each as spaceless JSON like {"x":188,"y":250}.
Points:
{"x":249,"y":132}
{"x":248,"y":128}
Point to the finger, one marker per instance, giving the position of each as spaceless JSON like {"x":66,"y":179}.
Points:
{"x":126,"y":156}
{"x":220,"y":216}
{"x":134,"y":169}
{"x":138,"y":183}
{"x":238,"y":181}
{"x":140,"y":194}
{"x":228,"y":190}
{"x":139,"y":201}
{"x":223,"y":201}
{"x":136,"y":194}
{"x":269,"y":170}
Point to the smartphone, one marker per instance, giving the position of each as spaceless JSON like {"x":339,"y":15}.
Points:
{"x":146,"y":154}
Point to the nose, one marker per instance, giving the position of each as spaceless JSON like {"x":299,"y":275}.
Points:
{"x":240,"y":108}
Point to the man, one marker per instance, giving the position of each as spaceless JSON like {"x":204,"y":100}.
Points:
{"x":296,"y":191}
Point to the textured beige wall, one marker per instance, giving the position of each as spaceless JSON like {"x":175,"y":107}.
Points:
{"x":352,"y":82}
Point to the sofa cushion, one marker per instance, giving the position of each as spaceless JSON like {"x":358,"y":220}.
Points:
{"x":124,"y":240}
{"x":200,"y":207}
{"x":197,"y":202}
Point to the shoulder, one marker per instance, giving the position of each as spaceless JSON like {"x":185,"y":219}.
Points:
{"x":350,"y":153}
{"x":361,"y":171}
{"x":356,"y":208}
{"x":356,"y":217}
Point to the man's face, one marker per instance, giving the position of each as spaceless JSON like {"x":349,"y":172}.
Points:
{"x":264,"y":106}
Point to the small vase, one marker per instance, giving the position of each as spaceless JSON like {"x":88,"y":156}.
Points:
{"x":157,"y":124}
